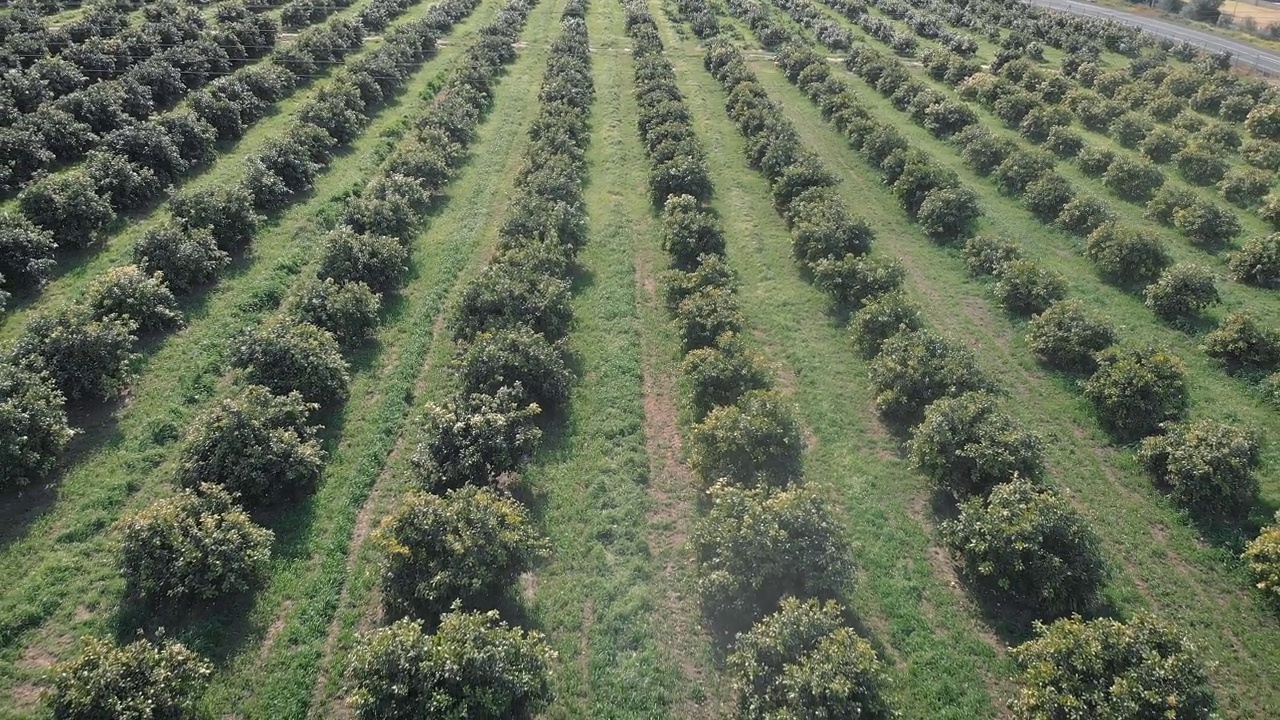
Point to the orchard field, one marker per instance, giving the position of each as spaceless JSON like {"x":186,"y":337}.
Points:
{"x":634,"y":359}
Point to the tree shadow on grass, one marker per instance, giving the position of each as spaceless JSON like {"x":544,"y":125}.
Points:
{"x":97,"y":426}
{"x":1230,"y":532}
{"x":554,"y":448}
{"x":1192,"y":325}
{"x":218,"y":630}
{"x":1014,"y":622}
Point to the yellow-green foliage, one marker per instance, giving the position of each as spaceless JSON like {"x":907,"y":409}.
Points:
{"x":1108,"y":669}
{"x":140,"y":681}
{"x":1263,"y":556}
{"x":474,"y":667}
{"x":467,"y":546}
{"x":803,"y":662}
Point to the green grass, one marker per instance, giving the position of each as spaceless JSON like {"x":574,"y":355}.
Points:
{"x":59,"y":562}
{"x":1158,"y":558}
{"x":596,"y":598}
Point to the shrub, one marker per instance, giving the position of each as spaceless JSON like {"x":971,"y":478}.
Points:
{"x":947,"y":214}
{"x":1269,"y":389}
{"x":375,"y":260}
{"x":982,"y":150}
{"x":68,"y":206}
{"x":518,"y":358}
{"x":198,"y":545}
{"x":1257,"y":262}
{"x":1025,"y":287}
{"x":1020,"y":169}
{"x":917,"y":368}
{"x":256,"y":445}
{"x":1094,"y":161}
{"x":1236,"y":108}
{"x":1130,"y":128}
{"x":965,"y":445}
{"x":1133,"y":180}
{"x":1187,"y":121}
{"x":854,"y":281}
{"x":822,"y":228}
{"x":712,"y":272}
{"x":1037,"y":124}
{"x":1103,"y":668}
{"x":348,"y":311}
{"x":756,"y":441}
{"x":881,"y":319}
{"x":1163,"y":143}
{"x":805,"y":173}
{"x":123,"y":184}
{"x":465,"y":549}
{"x":1263,"y":557}
{"x":948,"y":117}
{"x":1085,"y":214}
{"x":1245,"y":187}
{"x":1220,"y":135}
{"x":26,"y":252}
{"x":1168,"y":200}
{"x":1263,"y":121}
{"x":1063,"y":142}
{"x":1014,"y":106}
{"x":1136,"y":389}
{"x":505,"y":296}
{"x":1270,"y":210}
{"x":986,"y":254}
{"x":133,"y":295}
{"x":286,"y":357}
{"x":1067,"y":336}
{"x":1165,"y":107}
{"x":1262,"y":154}
{"x":1207,"y":466}
{"x":1127,"y":255}
{"x":388,"y":208}
{"x":33,"y":427}
{"x":186,"y":258}
{"x":1047,"y":195}
{"x":1241,"y":341}
{"x":757,"y":546}
{"x":803,"y":662}
{"x":1182,"y":292}
{"x":1201,"y":164}
{"x":689,"y":231}
{"x":683,"y":172}
{"x":140,"y":681}
{"x":881,"y":142}
{"x":83,"y":356}
{"x":1029,"y":543}
{"x":473,"y":667}
{"x":718,"y":376}
{"x":705,"y":315}
{"x":475,"y":439}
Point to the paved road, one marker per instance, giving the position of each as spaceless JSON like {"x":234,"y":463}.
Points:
{"x":1267,"y":62}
